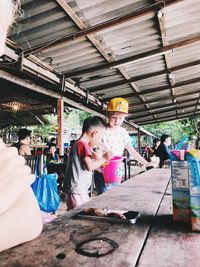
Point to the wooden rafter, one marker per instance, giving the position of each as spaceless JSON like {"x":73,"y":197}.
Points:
{"x":160,"y":99}
{"x":169,"y":118}
{"x":197,"y":105}
{"x":140,"y":57}
{"x":160,"y":89}
{"x":144,"y":76}
{"x":102,"y":26}
{"x":163,"y":111}
{"x":162,"y":107}
{"x":18,"y":119}
{"x":99,"y":47}
{"x":161,"y":25}
{"x":36,"y":117}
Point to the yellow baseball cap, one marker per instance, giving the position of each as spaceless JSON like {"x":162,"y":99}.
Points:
{"x":118,"y":104}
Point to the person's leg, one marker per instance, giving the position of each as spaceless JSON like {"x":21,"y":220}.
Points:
{"x":99,"y":182}
{"x":75,"y":200}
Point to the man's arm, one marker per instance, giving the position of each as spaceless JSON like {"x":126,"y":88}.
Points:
{"x":138,"y":157}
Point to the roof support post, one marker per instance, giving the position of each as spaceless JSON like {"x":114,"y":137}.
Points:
{"x":62,"y":83}
{"x":139,"y":145}
{"x":60,"y":124}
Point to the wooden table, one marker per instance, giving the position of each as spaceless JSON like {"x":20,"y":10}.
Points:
{"x":146,"y":243}
{"x":170,"y":244}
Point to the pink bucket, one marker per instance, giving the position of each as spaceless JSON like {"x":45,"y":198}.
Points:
{"x":110,"y":170}
{"x":180,"y":154}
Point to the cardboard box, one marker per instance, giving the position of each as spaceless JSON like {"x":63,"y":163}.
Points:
{"x":180,"y":191}
{"x":181,"y":199}
{"x":181,"y":215}
{"x":180,"y":175}
{"x":194,"y":180}
{"x":195,"y":220}
{"x":195,"y":202}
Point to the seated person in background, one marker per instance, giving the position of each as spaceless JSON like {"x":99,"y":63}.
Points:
{"x":162,"y":151}
{"x":52,"y":155}
{"x":20,"y":216}
{"x":151,"y":150}
{"x":24,"y":138}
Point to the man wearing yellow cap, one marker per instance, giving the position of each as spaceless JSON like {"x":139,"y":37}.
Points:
{"x":117,"y":138}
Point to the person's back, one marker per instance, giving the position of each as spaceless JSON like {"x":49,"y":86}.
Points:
{"x":80,"y":177}
{"x":162,"y":151}
{"x":152,"y":150}
{"x":23,"y":144}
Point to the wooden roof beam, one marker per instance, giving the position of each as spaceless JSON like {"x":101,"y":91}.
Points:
{"x":35,"y":117}
{"x":161,"y":99}
{"x":161,"y":107}
{"x":81,"y":26}
{"x":140,"y":57}
{"x":161,"y":26}
{"x":158,"y":89}
{"x":18,"y":119}
{"x":28,"y":84}
{"x":144,"y":76}
{"x":97,"y":45}
{"x":103,"y":26}
{"x":161,"y":112}
{"x":169,"y":118}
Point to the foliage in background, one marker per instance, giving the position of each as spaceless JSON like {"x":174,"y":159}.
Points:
{"x":73,"y":120}
{"x":83,"y":115}
{"x":175,"y":129}
{"x":44,"y":130}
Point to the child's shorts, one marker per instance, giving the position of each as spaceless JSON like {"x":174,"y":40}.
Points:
{"x":75,"y":200}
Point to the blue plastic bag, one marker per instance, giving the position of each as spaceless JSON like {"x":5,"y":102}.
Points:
{"x":46,"y":191}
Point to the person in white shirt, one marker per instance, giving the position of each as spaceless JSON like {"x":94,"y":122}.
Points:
{"x":117,"y":139}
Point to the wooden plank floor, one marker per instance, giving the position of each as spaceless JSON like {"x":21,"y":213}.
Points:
{"x":170,"y":244}
{"x":59,"y":238}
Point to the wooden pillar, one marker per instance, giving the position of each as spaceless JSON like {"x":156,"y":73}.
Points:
{"x":139,"y":145}
{"x":60,"y":124}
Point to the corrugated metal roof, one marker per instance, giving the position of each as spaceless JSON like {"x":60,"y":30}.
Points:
{"x":20,"y":107}
{"x":147,"y":53}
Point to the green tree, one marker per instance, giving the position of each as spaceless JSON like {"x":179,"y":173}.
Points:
{"x":175,"y":129}
{"x":83,"y":115}
{"x":44,"y":130}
